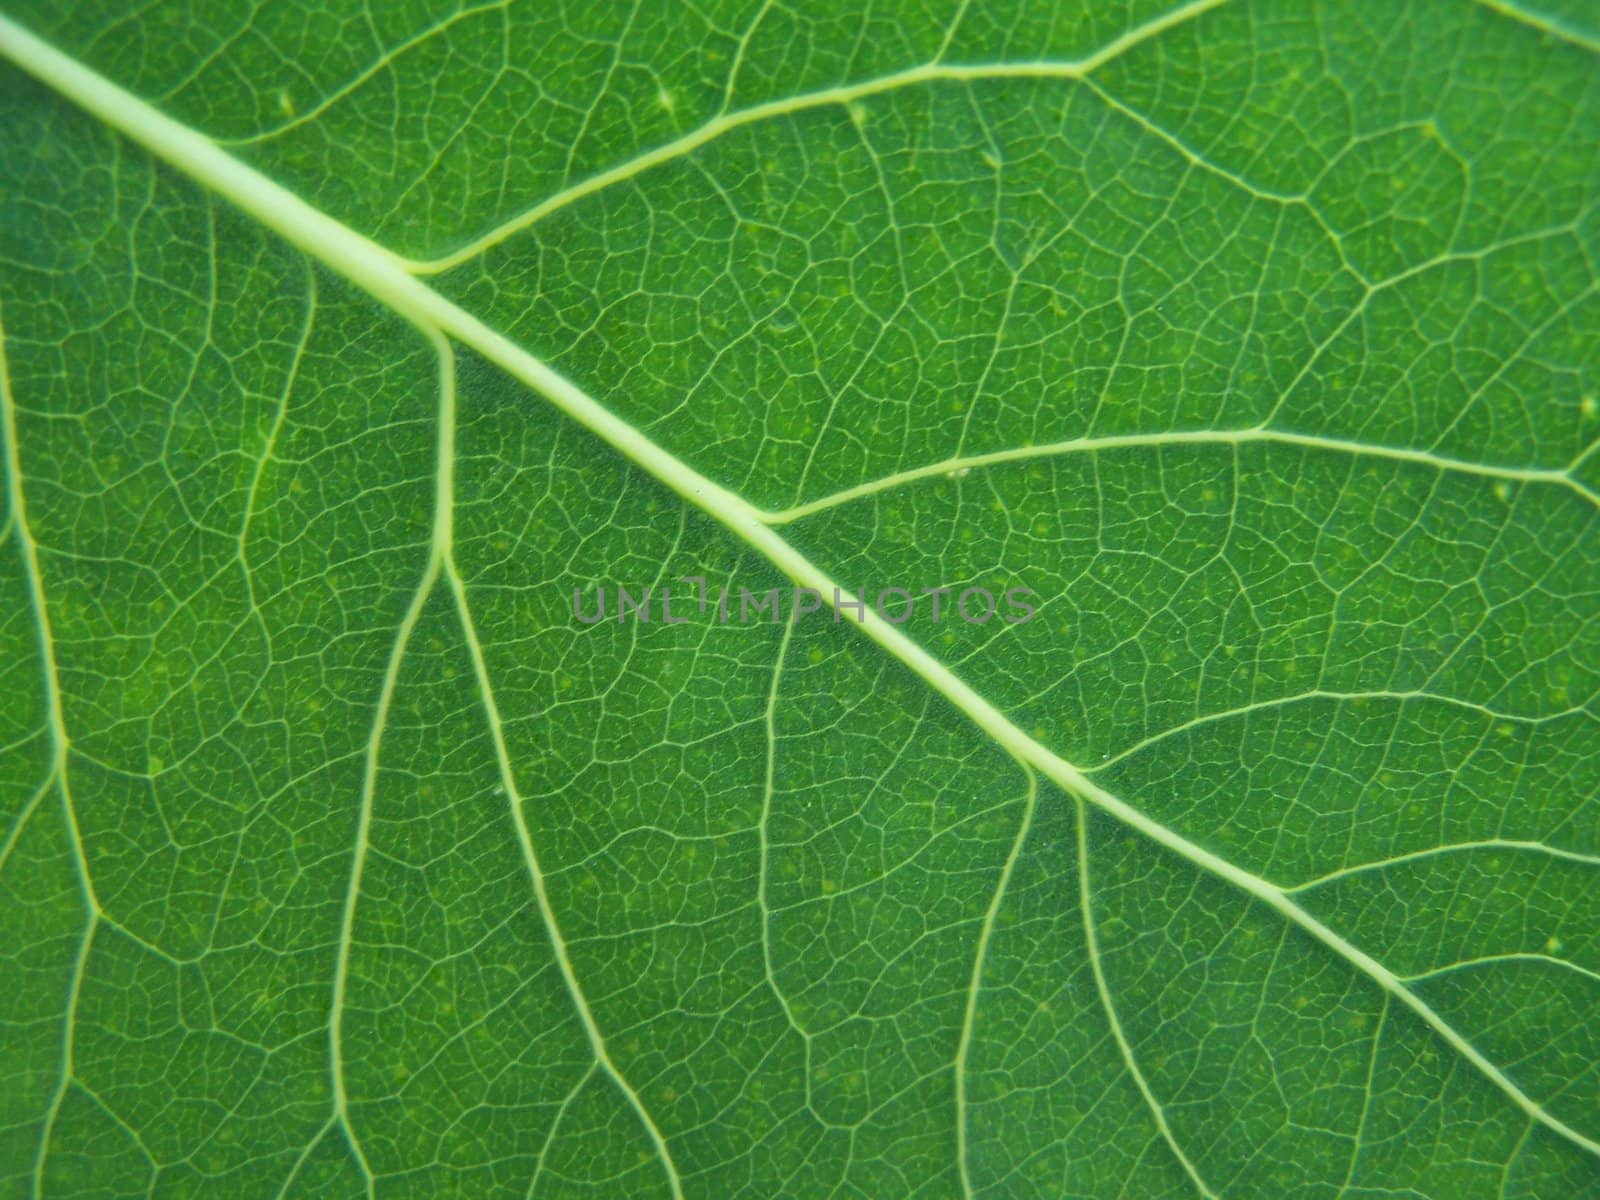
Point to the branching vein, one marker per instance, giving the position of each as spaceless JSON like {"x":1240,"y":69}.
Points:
{"x":1097,"y":965}
{"x":60,"y":756}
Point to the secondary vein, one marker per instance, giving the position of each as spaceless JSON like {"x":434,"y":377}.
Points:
{"x":57,"y":774}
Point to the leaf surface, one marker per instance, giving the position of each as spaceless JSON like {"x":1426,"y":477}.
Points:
{"x":342,"y":342}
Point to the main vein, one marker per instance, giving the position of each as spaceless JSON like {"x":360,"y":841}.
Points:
{"x":384,"y":275}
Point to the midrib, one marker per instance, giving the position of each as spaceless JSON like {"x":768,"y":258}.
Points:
{"x":383,"y":275}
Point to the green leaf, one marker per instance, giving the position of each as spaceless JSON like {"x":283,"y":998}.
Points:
{"x":342,"y":342}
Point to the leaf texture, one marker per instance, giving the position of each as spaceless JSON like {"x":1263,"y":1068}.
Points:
{"x":1256,"y":339}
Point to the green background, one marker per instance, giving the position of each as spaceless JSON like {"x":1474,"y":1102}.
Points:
{"x":1294,"y":304}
